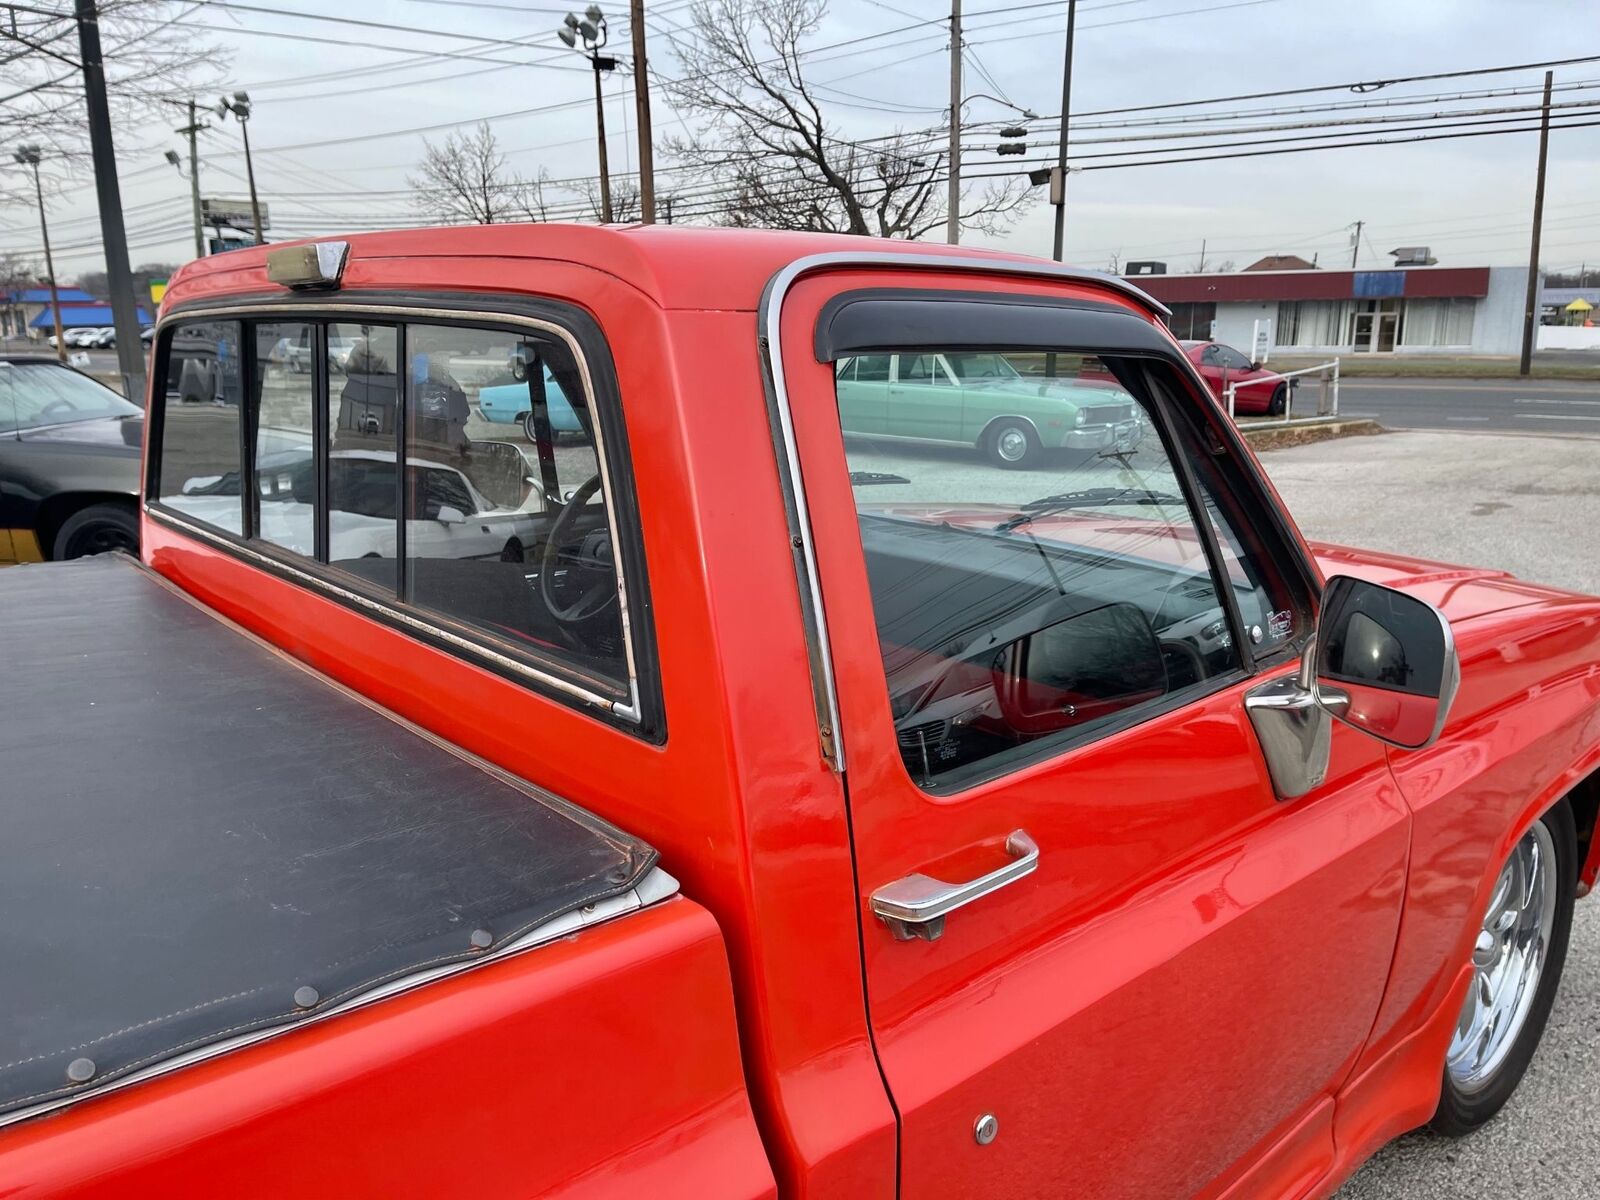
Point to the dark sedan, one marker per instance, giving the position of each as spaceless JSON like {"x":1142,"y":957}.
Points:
{"x":69,"y":463}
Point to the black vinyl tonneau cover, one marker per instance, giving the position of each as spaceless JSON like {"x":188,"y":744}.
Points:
{"x":200,"y":837}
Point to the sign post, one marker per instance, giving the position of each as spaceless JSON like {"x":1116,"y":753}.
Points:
{"x":1261,"y":342}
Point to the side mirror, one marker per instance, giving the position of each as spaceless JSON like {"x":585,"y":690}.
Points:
{"x":1256,"y":365}
{"x":1382,"y":662}
{"x":449,"y":514}
{"x":1385,"y":662}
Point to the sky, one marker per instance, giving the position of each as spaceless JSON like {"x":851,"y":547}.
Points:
{"x":328,"y":158}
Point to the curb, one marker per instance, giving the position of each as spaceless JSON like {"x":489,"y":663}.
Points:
{"x":1303,"y":435}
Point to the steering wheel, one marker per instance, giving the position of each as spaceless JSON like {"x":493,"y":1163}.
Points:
{"x":586,"y":557}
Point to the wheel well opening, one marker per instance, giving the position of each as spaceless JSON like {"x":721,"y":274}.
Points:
{"x":983,"y":438}
{"x":1585,"y":802}
{"x":58,"y":509}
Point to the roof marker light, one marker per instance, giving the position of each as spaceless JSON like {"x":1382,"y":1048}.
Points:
{"x":317,"y":265}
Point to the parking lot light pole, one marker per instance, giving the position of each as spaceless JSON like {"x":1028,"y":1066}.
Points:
{"x":239,"y":106}
{"x":29,"y":156}
{"x":592,"y":30}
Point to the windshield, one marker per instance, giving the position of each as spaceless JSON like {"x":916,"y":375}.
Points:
{"x":972,"y":367}
{"x":35,"y":394}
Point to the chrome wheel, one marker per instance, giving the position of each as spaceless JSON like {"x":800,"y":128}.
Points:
{"x":1508,"y":959}
{"x":1011,"y":444}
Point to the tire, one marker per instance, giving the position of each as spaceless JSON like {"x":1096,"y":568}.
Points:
{"x":1012,"y":445}
{"x":97,"y":529}
{"x":1279,"y":403}
{"x":528,"y":429}
{"x":1478,"y":1082}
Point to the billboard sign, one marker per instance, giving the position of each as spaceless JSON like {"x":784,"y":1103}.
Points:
{"x":231,"y":213}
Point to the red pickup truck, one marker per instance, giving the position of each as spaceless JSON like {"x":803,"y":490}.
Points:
{"x":713,"y":803}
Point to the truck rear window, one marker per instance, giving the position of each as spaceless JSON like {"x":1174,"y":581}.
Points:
{"x":452,"y":473}
{"x":200,"y":441}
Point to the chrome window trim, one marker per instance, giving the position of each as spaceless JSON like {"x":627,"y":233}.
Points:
{"x":769,"y":341}
{"x":632,"y":709}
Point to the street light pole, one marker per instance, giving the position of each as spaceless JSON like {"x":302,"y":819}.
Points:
{"x":641,"y":103}
{"x":239,"y":106}
{"x":592,"y":29}
{"x":952,"y":227}
{"x":600,"y":128}
{"x":1060,"y":188}
{"x":29,"y":156}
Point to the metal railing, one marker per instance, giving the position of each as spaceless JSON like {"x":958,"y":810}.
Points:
{"x":1327,"y":394}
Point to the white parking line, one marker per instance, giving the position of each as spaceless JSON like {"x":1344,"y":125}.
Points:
{"x":1540,"y":401}
{"x":1553,"y":417}
{"x":1466,"y":418}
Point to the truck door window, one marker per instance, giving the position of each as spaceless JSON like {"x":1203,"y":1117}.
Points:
{"x":1020,"y":610}
{"x":506,"y":536}
{"x":282,"y":405}
{"x":200,"y":425}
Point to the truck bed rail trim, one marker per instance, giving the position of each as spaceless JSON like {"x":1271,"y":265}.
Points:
{"x":655,"y":887}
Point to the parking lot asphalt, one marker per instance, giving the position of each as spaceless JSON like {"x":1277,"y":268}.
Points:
{"x":1531,"y":505}
{"x":1536,"y":406}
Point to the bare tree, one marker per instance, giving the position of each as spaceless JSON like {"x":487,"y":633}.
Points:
{"x":152,"y":57}
{"x":624,"y":200}
{"x":18,"y":272}
{"x":465,"y":181}
{"x":769,"y":157}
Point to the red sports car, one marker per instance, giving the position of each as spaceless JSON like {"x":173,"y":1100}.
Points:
{"x":1258,"y":391}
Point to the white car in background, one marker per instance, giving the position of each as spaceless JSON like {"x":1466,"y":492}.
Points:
{"x":458,"y":521}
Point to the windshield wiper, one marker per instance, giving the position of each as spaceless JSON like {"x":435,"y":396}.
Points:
{"x":861,"y":478}
{"x":1102,"y":497}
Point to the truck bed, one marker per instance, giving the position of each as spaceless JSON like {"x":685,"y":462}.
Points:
{"x":205,"y":842}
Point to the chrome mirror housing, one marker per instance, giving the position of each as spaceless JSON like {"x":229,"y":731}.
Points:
{"x":1386,"y":662}
{"x":1381,"y":661}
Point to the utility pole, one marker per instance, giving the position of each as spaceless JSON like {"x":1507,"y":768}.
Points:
{"x":124,"y":308}
{"x":1060,"y":190}
{"x":1355,"y":244}
{"x":1530,"y":315}
{"x":1201,"y":269}
{"x":192,"y":129}
{"x":952,"y":224}
{"x":29,"y":156}
{"x":641,"y":104}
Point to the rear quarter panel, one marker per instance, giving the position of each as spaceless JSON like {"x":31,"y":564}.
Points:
{"x":604,"y":1064}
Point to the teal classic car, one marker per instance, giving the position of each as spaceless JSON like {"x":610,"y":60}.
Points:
{"x":980,"y":399}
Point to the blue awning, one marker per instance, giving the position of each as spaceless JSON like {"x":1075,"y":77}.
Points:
{"x":76,"y":316}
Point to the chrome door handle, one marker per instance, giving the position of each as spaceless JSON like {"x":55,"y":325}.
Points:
{"x":915,"y":907}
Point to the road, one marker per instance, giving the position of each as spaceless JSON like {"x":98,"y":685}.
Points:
{"x":1541,"y":406}
{"x":1530,"y":505}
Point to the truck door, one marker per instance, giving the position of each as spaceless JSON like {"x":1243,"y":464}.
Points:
{"x":1161,"y":972}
